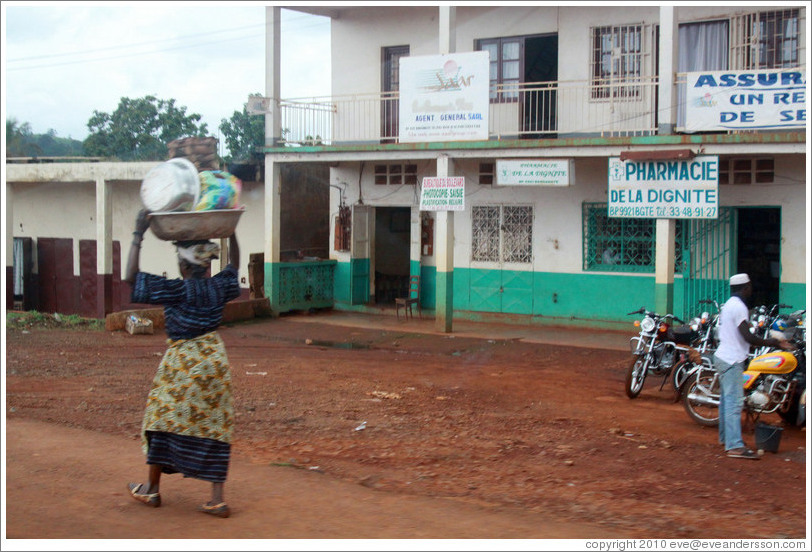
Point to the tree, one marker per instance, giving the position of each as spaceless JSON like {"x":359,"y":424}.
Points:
{"x":20,"y":140}
{"x":140,"y":129}
{"x":244,"y":136}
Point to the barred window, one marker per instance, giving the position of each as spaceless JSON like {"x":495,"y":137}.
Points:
{"x":623,"y":244}
{"x":617,"y":244}
{"x":766,"y":40}
{"x":502,"y":233}
{"x":617,"y":55}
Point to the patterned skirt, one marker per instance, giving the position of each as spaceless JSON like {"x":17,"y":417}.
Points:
{"x":189,"y":416}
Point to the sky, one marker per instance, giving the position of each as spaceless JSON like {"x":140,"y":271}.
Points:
{"x":63,"y":60}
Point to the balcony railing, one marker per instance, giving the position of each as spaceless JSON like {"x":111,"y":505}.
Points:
{"x":522,"y":111}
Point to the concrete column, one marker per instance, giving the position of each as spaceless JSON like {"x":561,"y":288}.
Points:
{"x":444,"y":229}
{"x":664,"y":266}
{"x":9,"y":245}
{"x":448,"y":29}
{"x":444,"y":255}
{"x":667,"y":89}
{"x":273,"y":33}
{"x":104,"y":248}
{"x":415,"y":252}
{"x":273,"y":217}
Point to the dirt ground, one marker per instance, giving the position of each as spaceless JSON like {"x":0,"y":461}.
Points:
{"x":347,"y":432}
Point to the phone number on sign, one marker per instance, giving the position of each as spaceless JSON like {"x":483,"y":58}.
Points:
{"x":670,"y":211}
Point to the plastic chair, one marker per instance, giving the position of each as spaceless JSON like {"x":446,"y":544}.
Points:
{"x":412,"y":298}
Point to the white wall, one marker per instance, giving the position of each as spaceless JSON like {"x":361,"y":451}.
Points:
{"x":557,"y":227}
{"x":68,"y":210}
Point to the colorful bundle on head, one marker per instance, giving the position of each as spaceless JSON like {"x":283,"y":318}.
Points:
{"x":218,"y":190}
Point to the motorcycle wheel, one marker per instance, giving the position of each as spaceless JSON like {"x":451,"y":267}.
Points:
{"x":791,"y":415}
{"x":703,"y":384}
{"x":636,"y":375}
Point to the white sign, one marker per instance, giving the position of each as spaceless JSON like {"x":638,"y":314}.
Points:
{"x":443,"y":193}
{"x":258,"y":105}
{"x":533,"y":172}
{"x":678,"y":189}
{"x":444,"y":97}
{"x":736,"y":100}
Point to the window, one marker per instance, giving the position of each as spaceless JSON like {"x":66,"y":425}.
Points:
{"x":617,"y":244}
{"x":746,"y":171}
{"x":396,"y":174}
{"x":617,"y":55}
{"x":766,"y":40}
{"x":505,"y":67}
{"x":502,"y":233}
{"x":486,"y":172}
{"x":623,"y":244}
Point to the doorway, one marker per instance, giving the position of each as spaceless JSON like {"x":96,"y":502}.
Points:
{"x":759,"y":251}
{"x":391,"y":260}
{"x":540,"y":68}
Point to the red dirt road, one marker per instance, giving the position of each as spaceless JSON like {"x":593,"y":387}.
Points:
{"x":464,"y":438}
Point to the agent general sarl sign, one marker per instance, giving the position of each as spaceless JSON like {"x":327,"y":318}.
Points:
{"x":678,"y":189}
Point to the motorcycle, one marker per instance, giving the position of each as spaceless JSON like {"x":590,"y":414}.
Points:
{"x":707,"y":326}
{"x":656,"y":349}
{"x":773,"y":382}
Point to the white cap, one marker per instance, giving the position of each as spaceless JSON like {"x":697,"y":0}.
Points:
{"x":739,"y":279}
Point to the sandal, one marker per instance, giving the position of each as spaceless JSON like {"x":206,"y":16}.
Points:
{"x":220,"y":510}
{"x":153,"y":499}
{"x":742,"y":452}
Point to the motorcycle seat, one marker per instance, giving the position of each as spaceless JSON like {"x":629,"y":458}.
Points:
{"x":683,"y":335}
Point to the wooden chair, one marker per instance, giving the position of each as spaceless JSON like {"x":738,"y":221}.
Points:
{"x":412,"y":298}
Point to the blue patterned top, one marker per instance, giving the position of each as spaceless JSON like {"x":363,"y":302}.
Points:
{"x":192,"y":307}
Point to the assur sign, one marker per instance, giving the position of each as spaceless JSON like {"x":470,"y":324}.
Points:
{"x":678,"y":189}
{"x":533,"y":172}
{"x":443,"y":193}
{"x":745,"y":100}
{"x":444,"y":97}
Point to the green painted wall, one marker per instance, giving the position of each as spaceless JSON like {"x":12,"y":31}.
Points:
{"x":793,"y":294}
{"x":567,"y":299}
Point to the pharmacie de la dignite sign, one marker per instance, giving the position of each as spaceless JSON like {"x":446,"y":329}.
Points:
{"x":676,"y":189}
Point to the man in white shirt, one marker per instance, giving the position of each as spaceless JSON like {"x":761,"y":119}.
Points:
{"x":735,"y":340}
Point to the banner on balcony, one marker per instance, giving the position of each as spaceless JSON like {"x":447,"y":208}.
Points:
{"x":444,"y":97}
{"x":443,"y":193}
{"x":680,"y":189}
{"x":745,"y":100}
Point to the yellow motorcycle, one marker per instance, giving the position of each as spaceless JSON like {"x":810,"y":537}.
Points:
{"x":773,"y":382}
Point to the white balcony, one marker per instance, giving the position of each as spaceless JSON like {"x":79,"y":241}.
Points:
{"x":523,"y":111}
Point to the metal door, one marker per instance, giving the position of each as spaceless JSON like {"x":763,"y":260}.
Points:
{"x":708,"y":259}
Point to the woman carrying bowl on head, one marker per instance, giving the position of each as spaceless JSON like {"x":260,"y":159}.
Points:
{"x":189,"y":417}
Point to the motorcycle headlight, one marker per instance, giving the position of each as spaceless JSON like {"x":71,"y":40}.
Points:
{"x":647,"y":325}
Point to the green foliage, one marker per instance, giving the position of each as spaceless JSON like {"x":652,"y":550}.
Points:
{"x":139,"y":129}
{"x":20,"y":140}
{"x":244,"y":136}
{"x":28,"y":320}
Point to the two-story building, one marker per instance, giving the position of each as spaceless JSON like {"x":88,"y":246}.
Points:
{"x":601,"y":158}
{"x":581,"y":90}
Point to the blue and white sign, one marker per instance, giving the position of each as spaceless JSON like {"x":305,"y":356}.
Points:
{"x":745,"y":100}
{"x":444,"y":97}
{"x":678,"y":189}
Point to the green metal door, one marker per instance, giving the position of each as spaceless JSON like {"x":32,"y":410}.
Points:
{"x":708,"y":259}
